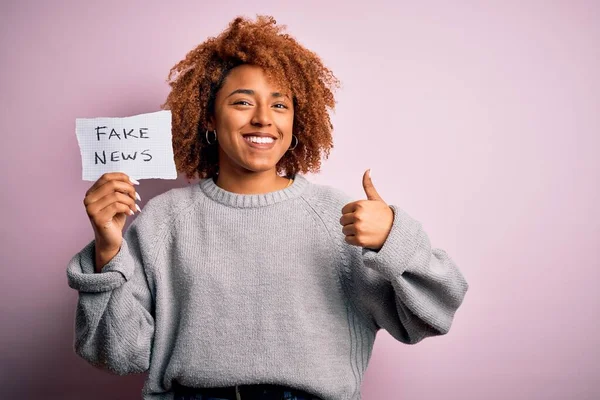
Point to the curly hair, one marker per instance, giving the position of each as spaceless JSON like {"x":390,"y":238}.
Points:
{"x":197,"y":78}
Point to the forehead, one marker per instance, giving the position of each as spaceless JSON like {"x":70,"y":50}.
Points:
{"x":248,"y":76}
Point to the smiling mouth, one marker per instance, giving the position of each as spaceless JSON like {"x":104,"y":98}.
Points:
{"x":263,"y":143}
{"x":259,"y":135}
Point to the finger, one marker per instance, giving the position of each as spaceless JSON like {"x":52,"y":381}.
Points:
{"x":350,"y":207}
{"x":348,"y":218}
{"x":369,"y":187}
{"x":351,"y":239}
{"x":109,"y":212}
{"x":349,"y":229}
{"x":115,"y":197}
{"x":109,"y":176}
{"x":111,"y":186}
{"x":117,"y":186}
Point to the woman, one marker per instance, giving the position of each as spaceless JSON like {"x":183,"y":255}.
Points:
{"x":250,"y":284}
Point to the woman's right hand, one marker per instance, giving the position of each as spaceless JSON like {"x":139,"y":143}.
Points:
{"x":108,"y":203}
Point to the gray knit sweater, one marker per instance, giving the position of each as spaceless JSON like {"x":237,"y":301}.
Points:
{"x":214,"y":288}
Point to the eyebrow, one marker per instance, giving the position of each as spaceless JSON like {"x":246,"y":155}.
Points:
{"x":252,"y":93}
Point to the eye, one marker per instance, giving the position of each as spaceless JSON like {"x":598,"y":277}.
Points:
{"x":242,"y":101}
{"x":281,"y":104}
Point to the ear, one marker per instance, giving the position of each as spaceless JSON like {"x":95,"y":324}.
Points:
{"x":211,"y":123}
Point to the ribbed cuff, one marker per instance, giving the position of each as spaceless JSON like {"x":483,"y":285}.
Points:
{"x":392,"y":259}
{"x":81,"y":275}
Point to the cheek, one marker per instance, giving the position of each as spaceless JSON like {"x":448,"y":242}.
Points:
{"x":286,"y":123}
{"x":234,"y":121}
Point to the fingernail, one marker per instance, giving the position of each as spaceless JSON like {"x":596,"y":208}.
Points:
{"x":138,"y":208}
{"x":137,"y":196}
{"x":133,"y":181}
{"x":131,"y":212}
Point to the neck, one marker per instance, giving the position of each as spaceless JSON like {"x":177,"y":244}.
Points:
{"x":251,"y":182}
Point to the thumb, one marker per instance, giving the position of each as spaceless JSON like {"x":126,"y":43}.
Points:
{"x":369,"y":188}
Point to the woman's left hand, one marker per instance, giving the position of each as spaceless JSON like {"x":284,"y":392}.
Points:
{"x":367,"y":223}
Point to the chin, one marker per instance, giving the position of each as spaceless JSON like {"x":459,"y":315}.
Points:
{"x":259,"y":167}
{"x":252,"y":167}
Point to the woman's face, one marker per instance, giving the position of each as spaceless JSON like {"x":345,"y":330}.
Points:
{"x":248,"y":105}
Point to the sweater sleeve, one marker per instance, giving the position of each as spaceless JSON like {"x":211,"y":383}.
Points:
{"x":114,"y":319}
{"x":406,"y":287}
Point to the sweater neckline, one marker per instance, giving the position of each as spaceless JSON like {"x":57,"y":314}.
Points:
{"x":237,"y":200}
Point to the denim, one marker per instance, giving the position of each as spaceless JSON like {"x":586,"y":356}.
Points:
{"x":267,"y":395}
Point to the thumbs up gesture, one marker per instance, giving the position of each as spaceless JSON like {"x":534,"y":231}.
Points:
{"x":367,"y":223}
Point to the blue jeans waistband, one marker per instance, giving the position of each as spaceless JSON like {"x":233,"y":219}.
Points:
{"x":242,"y":392}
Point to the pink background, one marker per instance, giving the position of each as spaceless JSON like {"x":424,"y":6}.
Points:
{"x":480,"y":120}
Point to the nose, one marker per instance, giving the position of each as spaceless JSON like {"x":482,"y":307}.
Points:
{"x":261,"y":116}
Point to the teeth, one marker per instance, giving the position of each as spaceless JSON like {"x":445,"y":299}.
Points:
{"x":257,"y":139}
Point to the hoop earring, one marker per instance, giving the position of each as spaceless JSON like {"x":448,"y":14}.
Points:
{"x":206,"y":135}
{"x":297,"y":141}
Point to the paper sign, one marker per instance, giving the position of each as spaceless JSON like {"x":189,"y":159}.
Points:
{"x":139,"y":146}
